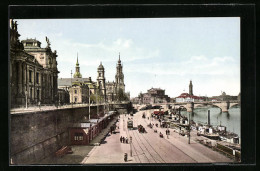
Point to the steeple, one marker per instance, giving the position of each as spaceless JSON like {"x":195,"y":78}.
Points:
{"x":119,"y":61}
{"x":119,"y":77}
{"x":77,"y":73}
{"x":191,"y":88}
{"x":77,"y":64}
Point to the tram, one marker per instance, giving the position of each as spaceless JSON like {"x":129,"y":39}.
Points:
{"x":130,"y":124}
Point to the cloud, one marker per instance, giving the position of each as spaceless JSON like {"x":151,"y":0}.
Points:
{"x":92,"y":53}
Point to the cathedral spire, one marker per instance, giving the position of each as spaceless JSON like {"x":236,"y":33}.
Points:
{"x":77,"y":73}
{"x":77,"y":60}
{"x":119,"y":58}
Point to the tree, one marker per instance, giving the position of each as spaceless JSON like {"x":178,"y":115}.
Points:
{"x":121,"y":96}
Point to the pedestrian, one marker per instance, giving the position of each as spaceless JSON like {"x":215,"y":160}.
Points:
{"x":126,"y":140}
{"x":125,"y":157}
{"x":39,"y":104}
{"x":121,"y":139}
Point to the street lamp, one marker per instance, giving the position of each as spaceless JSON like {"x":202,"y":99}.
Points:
{"x":131,"y":146}
{"x":88,"y":103}
{"x":189,"y":127}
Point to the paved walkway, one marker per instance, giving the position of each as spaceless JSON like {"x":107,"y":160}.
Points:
{"x":112,"y":150}
{"x":79,"y":152}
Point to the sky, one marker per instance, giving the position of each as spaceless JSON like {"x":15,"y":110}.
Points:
{"x":161,"y":53}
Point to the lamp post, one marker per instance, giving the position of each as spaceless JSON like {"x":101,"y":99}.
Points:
{"x":26,"y":94}
{"x":71,"y":88}
{"x":88,"y":103}
{"x":97,"y":101}
{"x":189,"y":127}
{"x":131,"y":146}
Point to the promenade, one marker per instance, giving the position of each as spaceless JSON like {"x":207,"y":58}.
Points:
{"x":150,"y":148}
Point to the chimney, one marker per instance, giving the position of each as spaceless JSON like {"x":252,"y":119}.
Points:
{"x":208,"y":117}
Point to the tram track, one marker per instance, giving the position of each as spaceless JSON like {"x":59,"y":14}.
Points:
{"x":143,"y":151}
{"x":155,"y":156}
{"x":165,"y":150}
{"x":128,"y":135}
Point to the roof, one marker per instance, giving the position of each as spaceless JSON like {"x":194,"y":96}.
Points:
{"x":30,"y":40}
{"x":101,"y":66}
{"x":155,"y":89}
{"x":186,"y":95}
{"x":93,"y":120}
{"x":80,"y":125}
{"x":68,"y":81}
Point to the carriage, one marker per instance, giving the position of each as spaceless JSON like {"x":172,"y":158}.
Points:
{"x":141,"y":129}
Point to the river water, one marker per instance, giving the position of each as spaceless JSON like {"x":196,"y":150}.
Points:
{"x":230,"y":119}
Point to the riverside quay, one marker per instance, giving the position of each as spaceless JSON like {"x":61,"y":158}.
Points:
{"x":124,"y":134}
{"x":72,"y":105}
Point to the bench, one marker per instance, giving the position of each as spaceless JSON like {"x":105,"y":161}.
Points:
{"x":64,"y":150}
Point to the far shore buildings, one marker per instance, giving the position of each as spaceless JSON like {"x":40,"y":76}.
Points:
{"x":33,"y":71}
{"x":84,"y":90}
{"x":153,"y":96}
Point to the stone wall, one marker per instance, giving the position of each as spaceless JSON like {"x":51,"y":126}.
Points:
{"x":37,"y":135}
{"x":34,"y":136}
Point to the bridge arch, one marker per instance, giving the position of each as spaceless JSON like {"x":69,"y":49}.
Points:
{"x":233,"y":105}
{"x":182,"y":107}
{"x":215,"y":105}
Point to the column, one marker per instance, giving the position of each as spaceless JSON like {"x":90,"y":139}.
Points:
{"x":20,"y":78}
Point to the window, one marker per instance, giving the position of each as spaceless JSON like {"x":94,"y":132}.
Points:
{"x":75,"y":91}
{"x":75,"y":99}
{"x":38,"y":94}
{"x":78,"y":136}
{"x":99,"y":74}
{"x":37,"y":78}
{"x":29,"y":44}
{"x":30,"y":76}
{"x":31,"y":92}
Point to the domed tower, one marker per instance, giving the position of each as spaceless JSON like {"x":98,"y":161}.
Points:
{"x":191,"y":88}
{"x":77,"y":73}
{"x":119,"y":78}
{"x":101,"y":81}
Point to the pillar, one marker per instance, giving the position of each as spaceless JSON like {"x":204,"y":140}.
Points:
{"x":190,"y":107}
{"x":20,"y":72}
{"x":224,"y":106}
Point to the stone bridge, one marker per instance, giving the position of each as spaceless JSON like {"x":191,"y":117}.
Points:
{"x":223,"y":105}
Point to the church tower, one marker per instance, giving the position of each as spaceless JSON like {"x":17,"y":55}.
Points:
{"x":101,"y":81}
{"x":119,"y":78}
{"x":191,"y":88}
{"x":77,"y":73}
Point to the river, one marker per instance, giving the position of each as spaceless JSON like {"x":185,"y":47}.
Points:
{"x":230,"y":119}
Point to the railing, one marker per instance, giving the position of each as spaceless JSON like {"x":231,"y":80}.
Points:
{"x":45,"y":107}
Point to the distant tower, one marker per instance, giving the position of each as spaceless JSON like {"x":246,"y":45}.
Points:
{"x":191,"y":88}
{"x":77,"y":72}
{"x":101,"y":81}
{"x":119,"y":76}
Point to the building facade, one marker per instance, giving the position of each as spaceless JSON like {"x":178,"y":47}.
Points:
{"x":189,"y":97}
{"x":225,"y":97}
{"x":153,"y":96}
{"x":105,"y":90}
{"x":32,"y":79}
{"x":79,"y":93}
{"x":47,"y":59}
